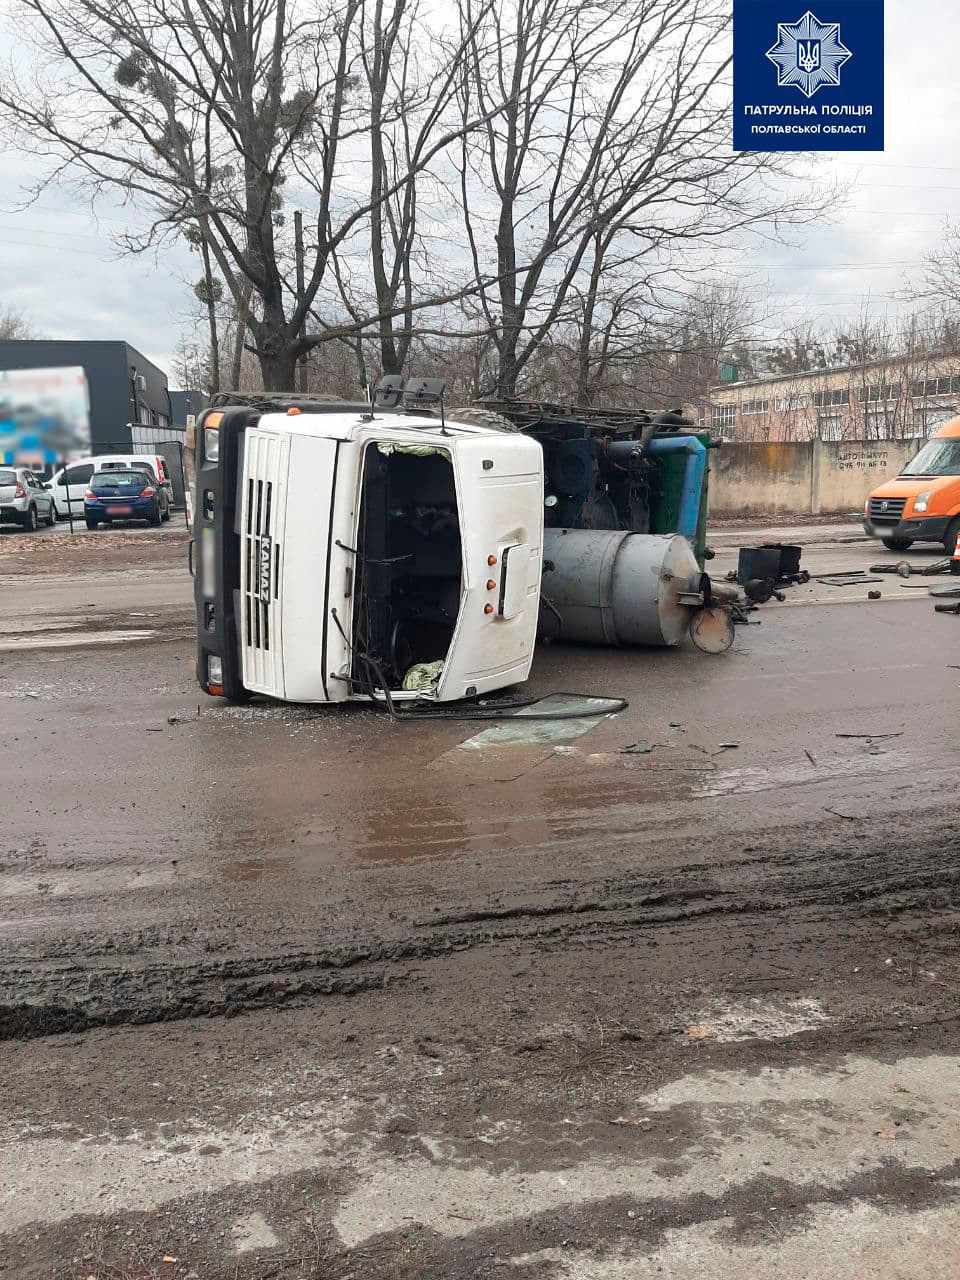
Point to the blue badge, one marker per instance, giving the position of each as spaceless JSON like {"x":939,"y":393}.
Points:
{"x":808,"y":79}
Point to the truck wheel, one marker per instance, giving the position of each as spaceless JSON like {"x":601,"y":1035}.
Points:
{"x":950,"y":537}
{"x":92,"y":524}
{"x":896,"y":544}
{"x":29,"y":521}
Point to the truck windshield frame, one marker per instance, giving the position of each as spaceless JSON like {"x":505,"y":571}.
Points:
{"x":938,"y":457}
{"x":409,"y":566}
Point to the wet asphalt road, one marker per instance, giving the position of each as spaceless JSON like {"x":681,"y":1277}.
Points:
{"x":298,"y":988}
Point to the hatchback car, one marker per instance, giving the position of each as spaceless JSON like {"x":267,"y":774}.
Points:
{"x":25,"y":499}
{"x":122,"y":495}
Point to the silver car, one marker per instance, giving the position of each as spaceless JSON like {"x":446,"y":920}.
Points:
{"x":25,"y":499}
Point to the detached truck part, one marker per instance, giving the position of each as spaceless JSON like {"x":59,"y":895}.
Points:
{"x":393,"y":552}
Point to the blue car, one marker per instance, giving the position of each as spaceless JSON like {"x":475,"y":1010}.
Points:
{"x":123,"y":495}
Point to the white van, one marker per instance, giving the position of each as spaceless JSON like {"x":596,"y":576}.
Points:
{"x":349,"y":554}
{"x":70,"y":482}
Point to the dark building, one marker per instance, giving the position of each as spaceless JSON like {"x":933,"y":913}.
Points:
{"x":130,"y":403}
{"x":129,"y":400}
{"x":184,"y":404}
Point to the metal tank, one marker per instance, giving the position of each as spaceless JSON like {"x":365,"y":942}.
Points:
{"x":616,"y":588}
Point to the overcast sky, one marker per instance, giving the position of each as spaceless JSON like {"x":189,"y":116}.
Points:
{"x":58,"y":265}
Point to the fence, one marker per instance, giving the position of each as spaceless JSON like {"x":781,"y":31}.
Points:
{"x":812,"y":478}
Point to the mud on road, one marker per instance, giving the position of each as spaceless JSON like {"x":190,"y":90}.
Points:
{"x":293,"y":993}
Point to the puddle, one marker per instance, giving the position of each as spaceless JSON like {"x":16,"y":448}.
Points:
{"x":837,"y":768}
{"x":72,"y":640}
{"x":725,"y":1022}
{"x":252,"y":870}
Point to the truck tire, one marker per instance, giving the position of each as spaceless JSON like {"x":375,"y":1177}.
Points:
{"x":896,"y":544}
{"x":92,"y":524}
{"x":950,"y":537}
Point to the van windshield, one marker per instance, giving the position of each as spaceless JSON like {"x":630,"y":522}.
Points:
{"x":936,"y":458}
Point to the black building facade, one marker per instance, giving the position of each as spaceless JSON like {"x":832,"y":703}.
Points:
{"x":130,"y":402}
{"x":129,"y":397}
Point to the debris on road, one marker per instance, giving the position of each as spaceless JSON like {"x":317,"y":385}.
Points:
{"x":874,"y":595}
{"x":848,"y":578}
{"x":871,"y":736}
{"x":640,"y":748}
{"x":762,"y":571}
{"x":904,"y":569}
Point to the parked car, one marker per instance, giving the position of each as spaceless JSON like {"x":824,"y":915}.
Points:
{"x":923,"y":503}
{"x":123,"y":495}
{"x":25,"y":499}
{"x":70,"y":483}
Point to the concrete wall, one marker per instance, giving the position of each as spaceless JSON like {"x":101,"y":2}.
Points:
{"x":815,"y":477}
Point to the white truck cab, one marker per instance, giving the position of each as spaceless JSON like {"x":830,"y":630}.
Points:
{"x":355,"y":553}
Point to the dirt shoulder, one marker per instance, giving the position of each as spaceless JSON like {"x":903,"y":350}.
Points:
{"x":58,"y":551}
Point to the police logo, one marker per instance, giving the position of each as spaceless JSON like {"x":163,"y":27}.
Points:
{"x":808,"y":54}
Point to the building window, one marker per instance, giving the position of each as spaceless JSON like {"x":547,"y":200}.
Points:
{"x":879,"y":423}
{"x":724,"y":418}
{"x":825,"y":399}
{"x":879,"y":393}
{"x":755,"y":407}
{"x":937,"y":387}
{"x":789,"y":404}
{"x":829,"y":426}
{"x":926,"y":421}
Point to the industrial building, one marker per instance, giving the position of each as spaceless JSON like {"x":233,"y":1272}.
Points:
{"x":895,"y":399}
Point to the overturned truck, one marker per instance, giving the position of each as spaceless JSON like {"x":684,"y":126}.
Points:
{"x":396,"y":550}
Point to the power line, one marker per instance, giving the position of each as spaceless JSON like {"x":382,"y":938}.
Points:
{"x":29,"y":244}
{"x":41,"y":231}
{"x":893,"y":164}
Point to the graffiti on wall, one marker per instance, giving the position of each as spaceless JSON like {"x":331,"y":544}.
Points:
{"x":863,"y":457}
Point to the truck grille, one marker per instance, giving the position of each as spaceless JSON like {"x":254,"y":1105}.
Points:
{"x":264,"y":475}
{"x":887,"y":510}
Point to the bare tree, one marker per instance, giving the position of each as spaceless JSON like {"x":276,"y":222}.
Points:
{"x":615,"y":126}
{"x":410,"y":83}
{"x":15,"y":324}
{"x":201,"y":113}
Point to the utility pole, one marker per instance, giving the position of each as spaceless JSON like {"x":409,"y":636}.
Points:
{"x":301,"y":288}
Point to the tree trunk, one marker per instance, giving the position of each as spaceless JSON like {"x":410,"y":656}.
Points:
{"x":236,"y":363}
{"x":507,"y":368}
{"x":361,"y":364}
{"x":278,"y":368}
{"x":214,"y":379}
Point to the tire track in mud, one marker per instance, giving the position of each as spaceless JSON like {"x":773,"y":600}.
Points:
{"x":120,"y":983}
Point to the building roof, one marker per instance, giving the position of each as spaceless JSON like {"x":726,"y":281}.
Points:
{"x":770,"y":379}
